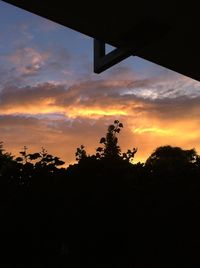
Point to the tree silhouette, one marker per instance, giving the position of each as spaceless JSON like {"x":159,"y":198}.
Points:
{"x":170,"y":157}
{"x":7,"y":166}
{"x":110,"y":151}
{"x":102,"y":208}
{"x":129,"y":155}
{"x":173,"y":164}
{"x":46,"y":160}
{"x":4,"y":156}
{"x":81,"y":153}
{"x":41,"y":159}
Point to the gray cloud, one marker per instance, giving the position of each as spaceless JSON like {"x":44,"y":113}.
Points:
{"x":26,"y":65}
{"x":102,"y":93}
{"x":14,"y":96}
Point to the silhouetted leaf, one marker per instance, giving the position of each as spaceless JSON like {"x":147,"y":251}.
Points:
{"x":34,"y":156}
{"x":58,"y":162}
{"x":111,"y":128}
{"x":103,"y":140}
{"x":19,"y":159}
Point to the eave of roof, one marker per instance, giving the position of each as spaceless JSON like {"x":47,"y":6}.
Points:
{"x":162,"y":32}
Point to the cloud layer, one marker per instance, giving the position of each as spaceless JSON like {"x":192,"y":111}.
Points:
{"x":59,"y":116}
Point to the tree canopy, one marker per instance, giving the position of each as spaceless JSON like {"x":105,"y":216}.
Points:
{"x":103,"y":211}
{"x":110,"y":151}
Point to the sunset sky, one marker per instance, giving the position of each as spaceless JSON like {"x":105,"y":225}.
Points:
{"x":50,"y":97}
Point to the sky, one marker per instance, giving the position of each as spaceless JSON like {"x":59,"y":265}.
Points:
{"x":50,"y":97}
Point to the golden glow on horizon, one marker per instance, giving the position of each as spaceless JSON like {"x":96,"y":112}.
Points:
{"x":155,"y":130}
{"x":47,"y":107}
{"x":95,"y":112}
{"x":175,"y":132}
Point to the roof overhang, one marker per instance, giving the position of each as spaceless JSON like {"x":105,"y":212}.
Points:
{"x":162,"y":32}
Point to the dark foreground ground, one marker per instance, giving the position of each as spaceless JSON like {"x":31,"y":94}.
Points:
{"x":115,"y":217}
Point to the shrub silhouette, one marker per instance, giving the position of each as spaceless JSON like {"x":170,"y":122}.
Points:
{"x":103,"y":211}
{"x":172,"y":163}
{"x":110,"y":151}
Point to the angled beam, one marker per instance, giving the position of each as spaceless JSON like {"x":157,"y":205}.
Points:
{"x":103,"y":61}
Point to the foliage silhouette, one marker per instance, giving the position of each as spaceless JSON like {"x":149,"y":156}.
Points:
{"x":110,"y":151}
{"x":103,"y":211}
{"x":81,"y":153}
{"x":111,"y":148}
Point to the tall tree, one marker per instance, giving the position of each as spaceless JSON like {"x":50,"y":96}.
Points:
{"x":111,"y":148}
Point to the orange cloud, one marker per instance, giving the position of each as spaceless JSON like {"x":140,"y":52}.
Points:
{"x":83,"y":112}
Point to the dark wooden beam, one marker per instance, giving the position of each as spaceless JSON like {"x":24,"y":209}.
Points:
{"x":103,"y":61}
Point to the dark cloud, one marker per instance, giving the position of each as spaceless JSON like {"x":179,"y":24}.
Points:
{"x":17,"y":120}
{"x":55,"y":116}
{"x":101,"y":94}
{"x":26,"y":65}
{"x":173,"y":108}
{"x":15,"y":96}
